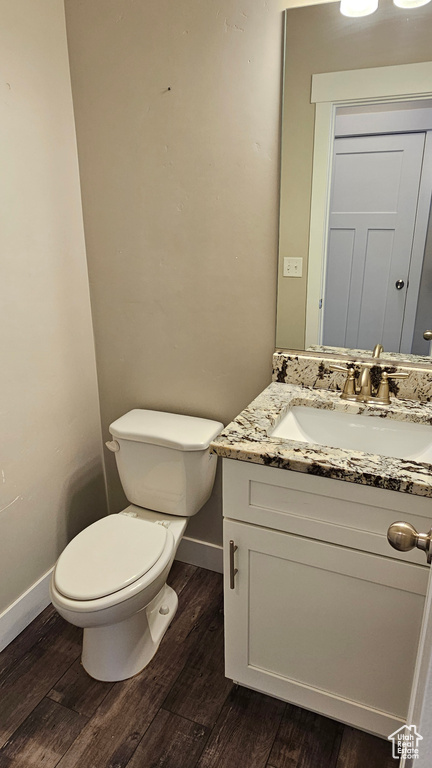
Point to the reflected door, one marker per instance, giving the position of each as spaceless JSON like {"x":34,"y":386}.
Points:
{"x":373,"y":205}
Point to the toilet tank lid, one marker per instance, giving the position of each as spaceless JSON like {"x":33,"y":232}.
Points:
{"x":172,"y":430}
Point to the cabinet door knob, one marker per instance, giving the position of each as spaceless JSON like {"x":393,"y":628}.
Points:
{"x":404,"y":537}
{"x":232,"y":570}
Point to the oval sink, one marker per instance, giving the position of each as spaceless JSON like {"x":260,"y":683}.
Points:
{"x":356,"y":432}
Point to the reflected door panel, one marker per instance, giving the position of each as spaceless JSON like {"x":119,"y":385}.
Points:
{"x":374,"y":193}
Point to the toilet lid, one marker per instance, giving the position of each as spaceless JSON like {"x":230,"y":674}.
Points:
{"x":108,"y":556}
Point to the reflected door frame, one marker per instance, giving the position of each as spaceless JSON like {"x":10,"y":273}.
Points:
{"x":329,"y":92}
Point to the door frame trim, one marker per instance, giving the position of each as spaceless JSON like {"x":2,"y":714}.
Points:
{"x":330,"y":91}
{"x":418,"y":247}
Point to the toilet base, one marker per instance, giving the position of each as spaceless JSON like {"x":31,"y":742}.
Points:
{"x":119,"y":651}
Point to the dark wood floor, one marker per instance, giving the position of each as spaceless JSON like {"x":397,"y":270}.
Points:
{"x":180,"y":712}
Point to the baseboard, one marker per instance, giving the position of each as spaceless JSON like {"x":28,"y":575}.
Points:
{"x":201,"y":553}
{"x":22,"y":612}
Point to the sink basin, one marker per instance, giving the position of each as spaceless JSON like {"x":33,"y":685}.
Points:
{"x":357,"y":432}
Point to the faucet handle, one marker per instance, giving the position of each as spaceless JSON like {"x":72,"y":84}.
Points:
{"x":383,"y":394}
{"x":344,"y":368}
{"x":349,"y":390}
{"x":401,"y":375}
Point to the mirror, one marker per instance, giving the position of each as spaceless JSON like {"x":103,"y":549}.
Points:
{"x":320,"y":40}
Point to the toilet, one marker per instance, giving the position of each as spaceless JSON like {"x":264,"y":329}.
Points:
{"x":111,"y":578}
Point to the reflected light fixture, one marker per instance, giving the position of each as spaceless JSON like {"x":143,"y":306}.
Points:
{"x":410,"y":3}
{"x":363,"y":7}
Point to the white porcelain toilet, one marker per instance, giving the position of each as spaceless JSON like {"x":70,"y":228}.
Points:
{"x":111,"y":578}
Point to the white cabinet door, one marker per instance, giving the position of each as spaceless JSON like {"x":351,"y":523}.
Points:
{"x":320,"y":625}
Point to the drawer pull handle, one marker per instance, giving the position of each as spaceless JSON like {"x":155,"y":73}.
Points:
{"x":232,"y":571}
{"x":403,"y":536}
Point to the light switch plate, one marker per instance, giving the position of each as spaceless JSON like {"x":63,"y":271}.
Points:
{"x":292,"y":267}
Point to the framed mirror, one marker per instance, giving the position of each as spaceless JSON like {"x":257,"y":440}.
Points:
{"x":356,"y":180}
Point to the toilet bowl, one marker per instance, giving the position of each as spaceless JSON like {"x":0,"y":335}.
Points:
{"x":111,"y":579}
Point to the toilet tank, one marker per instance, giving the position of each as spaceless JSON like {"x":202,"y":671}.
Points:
{"x":164,"y":461}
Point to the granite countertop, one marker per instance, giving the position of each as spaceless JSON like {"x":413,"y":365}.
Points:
{"x":359,"y":354}
{"x":247,"y":439}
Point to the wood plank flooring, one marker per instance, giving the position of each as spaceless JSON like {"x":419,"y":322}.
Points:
{"x":180,"y":712}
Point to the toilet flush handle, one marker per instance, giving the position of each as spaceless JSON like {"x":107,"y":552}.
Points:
{"x":112,"y":445}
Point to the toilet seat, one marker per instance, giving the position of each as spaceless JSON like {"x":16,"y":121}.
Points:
{"x":110,"y":556}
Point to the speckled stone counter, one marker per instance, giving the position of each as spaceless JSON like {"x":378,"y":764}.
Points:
{"x":312,"y":370}
{"x":399,"y":358}
{"x":247,"y":439}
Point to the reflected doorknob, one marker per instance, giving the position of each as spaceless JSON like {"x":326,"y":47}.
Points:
{"x":403,"y":536}
{"x":427,"y":335}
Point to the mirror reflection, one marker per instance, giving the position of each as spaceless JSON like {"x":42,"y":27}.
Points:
{"x":366,"y":237}
{"x":378,"y":217}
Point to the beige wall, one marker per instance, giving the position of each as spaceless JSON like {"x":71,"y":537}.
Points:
{"x":177,"y":108}
{"x":51,"y":480}
{"x":320,"y":39}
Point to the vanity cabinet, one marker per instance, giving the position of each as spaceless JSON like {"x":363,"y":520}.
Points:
{"x":321,"y":611}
